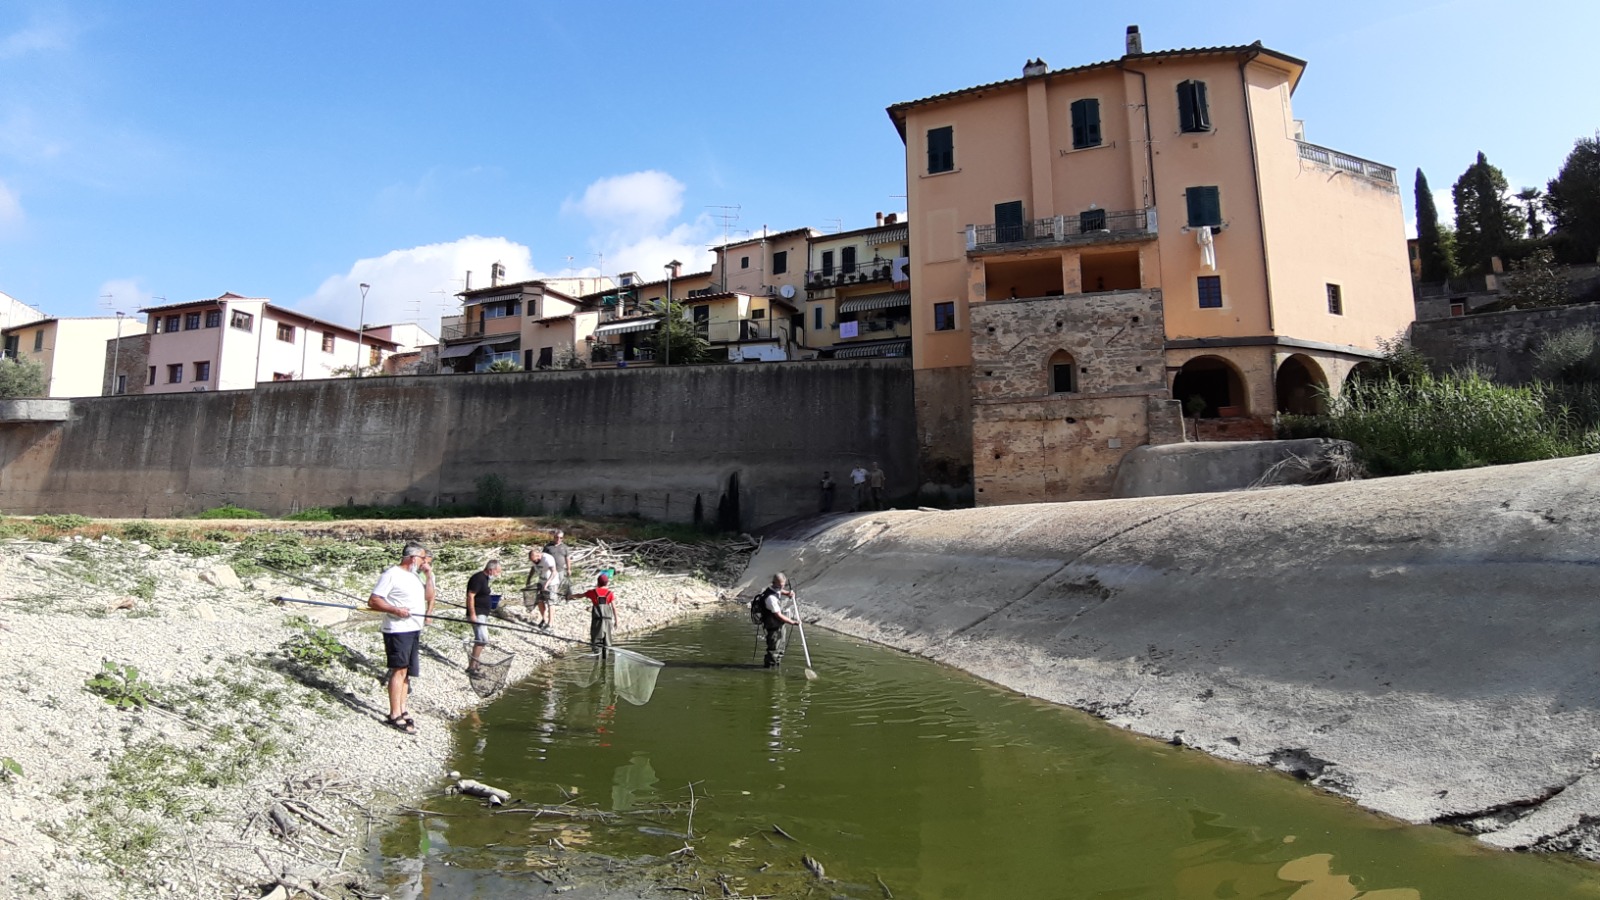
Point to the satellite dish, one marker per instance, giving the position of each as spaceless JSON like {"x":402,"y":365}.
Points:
{"x":787,"y":291}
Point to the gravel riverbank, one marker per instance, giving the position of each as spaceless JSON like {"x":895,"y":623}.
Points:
{"x":250,"y":748}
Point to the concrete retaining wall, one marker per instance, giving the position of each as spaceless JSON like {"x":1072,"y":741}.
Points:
{"x":748,"y":442}
{"x":1208,"y":466}
{"x":1502,"y":343}
{"x":1425,"y":645}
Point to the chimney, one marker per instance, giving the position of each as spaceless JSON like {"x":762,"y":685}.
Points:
{"x":1034,"y":67}
{"x":497,"y":274}
{"x":675,"y":267}
{"x":880,"y":218}
{"x":1135,"y":44}
{"x":469,"y":281}
{"x":891,"y":218}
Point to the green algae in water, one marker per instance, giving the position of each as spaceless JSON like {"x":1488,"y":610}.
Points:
{"x":895,"y":768}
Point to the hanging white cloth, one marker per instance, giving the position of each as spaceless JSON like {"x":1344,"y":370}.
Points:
{"x":1208,"y":247}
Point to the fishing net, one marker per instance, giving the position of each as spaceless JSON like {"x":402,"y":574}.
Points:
{"x":489,"y":676}
{"x":634,"y":675}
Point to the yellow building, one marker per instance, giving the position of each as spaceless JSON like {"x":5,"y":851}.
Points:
{"x":1279,"y":263}
{"x":858,"y":291}
{"x":72,"y":351}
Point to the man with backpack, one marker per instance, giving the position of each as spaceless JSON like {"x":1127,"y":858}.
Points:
{"x":767,"y":610}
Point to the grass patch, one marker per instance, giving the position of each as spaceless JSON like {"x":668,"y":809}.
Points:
{"x":64,"y":522}
{"x":230,"y":511}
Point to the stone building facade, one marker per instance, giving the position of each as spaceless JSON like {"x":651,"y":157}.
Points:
{"x":1062,"y":387}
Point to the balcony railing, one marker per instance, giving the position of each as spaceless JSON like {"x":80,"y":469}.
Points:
{"x":1089,"y":224}
{"x":460,"y":332}
{"x":743,"y":330}
{"x":863,"y":273}
{"x":1347,"y":163}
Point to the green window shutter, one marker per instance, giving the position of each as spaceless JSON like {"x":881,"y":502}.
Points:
{"x":1205,"y":206}
{"x":1008,"y":221}
{"x":1085,"y":123}
{"x":1193,"y":114}
{"x":941,"y":149}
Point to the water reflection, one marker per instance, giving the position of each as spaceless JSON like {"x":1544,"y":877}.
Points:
{"x":893,"y":769}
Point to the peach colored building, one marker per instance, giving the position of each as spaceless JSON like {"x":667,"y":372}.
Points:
{"x":1280,"y":263}
{"x":763,"y":265}
{"x":233,"y":342}
{"x":626,"y":315}
{"x":72,"y":351}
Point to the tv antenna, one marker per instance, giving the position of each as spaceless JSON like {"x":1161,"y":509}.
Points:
{"x":838,"y":224}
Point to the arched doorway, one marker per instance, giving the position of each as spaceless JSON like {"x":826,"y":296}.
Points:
{"x":1062,"y":372}
{"x":1209,"y":387}
{"x":1365,"y":370}
{"x":1300,"y":387}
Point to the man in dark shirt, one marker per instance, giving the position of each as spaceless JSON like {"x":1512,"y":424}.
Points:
{"x":478,"y":606}
{"x":557,"y":548}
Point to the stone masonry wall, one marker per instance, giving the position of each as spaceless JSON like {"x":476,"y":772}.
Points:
{"x":1030,"y":444}
{"x":1502,"y":343}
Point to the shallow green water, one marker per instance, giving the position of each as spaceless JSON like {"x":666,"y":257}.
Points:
{"x":894,"y":768}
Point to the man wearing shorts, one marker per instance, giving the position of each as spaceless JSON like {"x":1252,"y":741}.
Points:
{"x":405,"y":592}
{"x":478,"y":607}
{"x":557,"y":548}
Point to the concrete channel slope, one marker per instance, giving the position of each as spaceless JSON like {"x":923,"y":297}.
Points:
{"x":1428,"y":645}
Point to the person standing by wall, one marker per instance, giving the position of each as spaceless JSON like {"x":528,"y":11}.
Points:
{"x":602,"y":614}
{"x":478,"y":606}
{"x":875,"y":482}
{"x":858,"y":488}
{"x":828,"y":485}
{"x":557,"y":548}
{"x":405,"y":592}
{"x":547,"y":589}
{"x":771,"y":604}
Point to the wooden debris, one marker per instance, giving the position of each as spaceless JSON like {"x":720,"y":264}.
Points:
{"x":814,"y":867}
{"x":786,"y":834}
{"x":887,"y":894}
{"x":494,"y":795}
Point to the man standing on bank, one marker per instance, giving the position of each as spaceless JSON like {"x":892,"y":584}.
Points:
{"x":478,"y":606}
{"x":773,"y":618}
{"x":405,"y":592}
{"x":602,"y":614}
{"x":557,"y":548}
{"x":875,"y":482}
{"x":858,"y":488}
{"x":828,"y":485}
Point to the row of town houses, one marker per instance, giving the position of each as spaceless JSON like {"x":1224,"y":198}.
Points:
{"x":1137,"y":250}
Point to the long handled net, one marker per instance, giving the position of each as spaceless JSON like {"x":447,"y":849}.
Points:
{"x":489,"y":674}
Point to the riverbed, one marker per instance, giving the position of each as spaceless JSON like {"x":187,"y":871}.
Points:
{"x":899,"y":776}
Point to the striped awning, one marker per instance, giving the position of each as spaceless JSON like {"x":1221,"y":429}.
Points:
{"x":892,"y":236}
{"x":625,"y":327}
{"x":876,"y":301}
{"x":889,"y":348}
{"x":459,"y":350}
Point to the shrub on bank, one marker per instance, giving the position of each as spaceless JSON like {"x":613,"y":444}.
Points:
{"x":1431,"y":423}
{"x":229,"y":511}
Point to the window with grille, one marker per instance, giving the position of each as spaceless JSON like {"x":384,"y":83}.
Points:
{"x":1335,"y":300}
{"x":1209,"y":289}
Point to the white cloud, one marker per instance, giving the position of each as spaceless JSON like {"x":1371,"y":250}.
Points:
{"x":11,"y":214}
{"x":636,"y":203}
{"x":418,"y":284}
{"x":35,"y":39}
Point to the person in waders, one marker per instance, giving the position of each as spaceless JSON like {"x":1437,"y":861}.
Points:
{"x":602,"y":614}
{"x":769,"y":606}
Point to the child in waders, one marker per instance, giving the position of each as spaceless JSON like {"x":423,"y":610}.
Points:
{"x":602,"y":614}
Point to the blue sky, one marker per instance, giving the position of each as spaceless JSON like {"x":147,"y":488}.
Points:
{"x":293,"y":150}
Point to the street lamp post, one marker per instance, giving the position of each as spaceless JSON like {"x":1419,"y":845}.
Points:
{"x":116,"y":354}
{"x":361,"y":329}
{"x":666,"y":325}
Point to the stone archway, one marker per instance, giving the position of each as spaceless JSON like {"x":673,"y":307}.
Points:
{"x":1301,"y":387}
{"x":1210,"y":387}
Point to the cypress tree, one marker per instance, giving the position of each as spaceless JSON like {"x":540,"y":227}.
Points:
{"x":1486,"y":221}
{"x":1433,"y":250}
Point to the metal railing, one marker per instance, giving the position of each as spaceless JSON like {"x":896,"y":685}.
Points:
{"x":1344,"y":162}
{"x":1089,"y":223}
{"x":873,"y":270}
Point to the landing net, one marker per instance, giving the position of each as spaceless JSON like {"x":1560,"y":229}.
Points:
{"x":489,"y":677}
{"x":634,"y":675}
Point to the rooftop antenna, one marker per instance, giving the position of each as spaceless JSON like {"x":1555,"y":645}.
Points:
{"x":107,"y":302}
{"x":727,"y":215}
{"x":838,"y":224}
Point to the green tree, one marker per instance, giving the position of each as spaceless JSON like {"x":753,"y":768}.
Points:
{"x":1536,"y":281}
{"x":1573,"y":200}
{"x":503,"y":365}
{"x":21,"y":378}
{"x":1530,"y":198}
{"x":1434,"y":245}
{"x":675,"y":340}
{"x":1487,"y":222}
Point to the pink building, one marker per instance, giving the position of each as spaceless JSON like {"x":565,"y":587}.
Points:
{"x":233,"y":342}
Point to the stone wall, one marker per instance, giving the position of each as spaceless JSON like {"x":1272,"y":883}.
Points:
{"x":1031,"y":443}
{"x":1501,"y":343}
{"x":132,"y":359}
{"x":943,"y":409}
{"x":744,"y":445}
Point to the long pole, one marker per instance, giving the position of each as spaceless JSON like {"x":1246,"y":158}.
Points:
{"x":800,"y":624}
{"x":361,"y":329}
{"x":666,"y":326}
{"x":116,"y":354}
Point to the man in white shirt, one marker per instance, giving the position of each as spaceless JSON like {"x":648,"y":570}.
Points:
{"x":405,"y":593}
{"x":545,"y":578}
{"x":858,"y":487}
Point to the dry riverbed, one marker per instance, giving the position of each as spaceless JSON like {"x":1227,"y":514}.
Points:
{"x":166,"y":730}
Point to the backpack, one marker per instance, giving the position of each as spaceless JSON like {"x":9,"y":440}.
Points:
{"x":758,"y":608}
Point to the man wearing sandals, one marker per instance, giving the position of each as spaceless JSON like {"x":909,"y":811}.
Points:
{"x":405,"y":592}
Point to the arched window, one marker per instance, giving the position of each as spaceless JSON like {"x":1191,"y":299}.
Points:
{"x":1063,"y":372}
